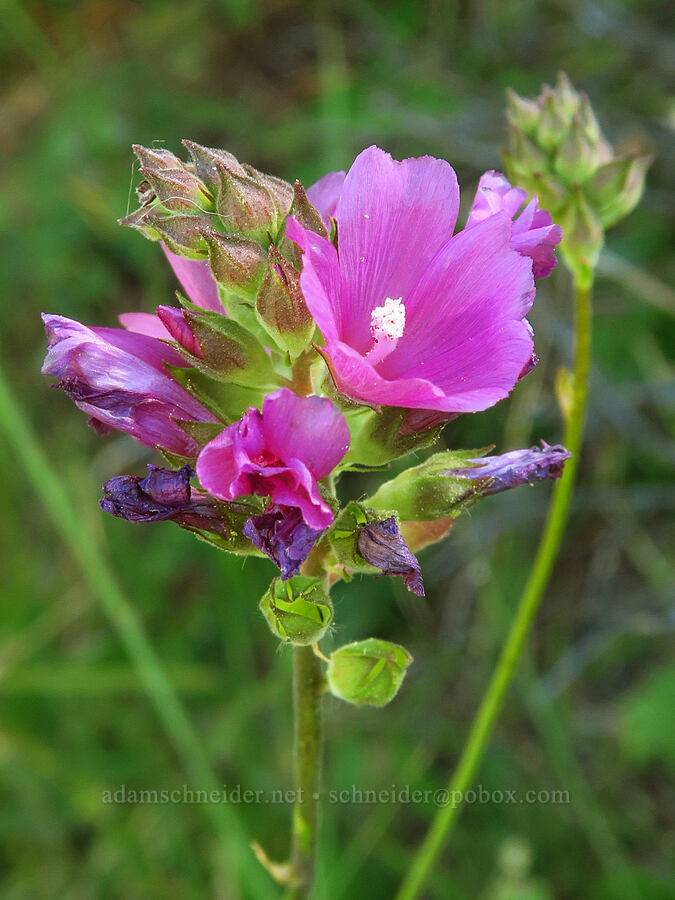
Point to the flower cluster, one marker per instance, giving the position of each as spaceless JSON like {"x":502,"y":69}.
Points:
{"x":315,"y":332}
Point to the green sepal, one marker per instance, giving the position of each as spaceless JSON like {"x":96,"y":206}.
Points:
{"x":377,"y":438}
{"x":280,"y":306}
{"x":616,"y":187}
{"x":230,"y":352}
{"x":201,"y":432}
{"x":343,"y":536}
{"x":298,"y":611}
{"x":427,"y":491}
{"x":367,"y":673}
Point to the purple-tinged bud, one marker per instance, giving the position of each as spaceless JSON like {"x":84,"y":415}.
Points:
{"x":236,"y":262}
{"x":246,"y":206}
{"x":179,"y":191}
{"x":281,"y":307}
{"x":176,"y":323}
{"x":305,"y":213}
{"x":283,"y":535}
{"x":518,"y":467}
{"x":208,"y":161}
{"x":279,"y":190}
{"x":156,"y":159}
{"x":383,"y":547}
{"x":181,"y":233}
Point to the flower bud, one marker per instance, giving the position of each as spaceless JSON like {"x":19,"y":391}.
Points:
{"x":179,"y":190}
{"x":207,"y":162}
{"x":219,"y":347}
{"x":367,"y":673}
{"x":281,"y":308}
{"x":298,"y":611}
{"x":306,"y":214}
{"x":558,"y":152}
{"x":236,"y":262}
{"x":246,"y":206}
{"x":616,"y":187}
{"x":181,"y":233}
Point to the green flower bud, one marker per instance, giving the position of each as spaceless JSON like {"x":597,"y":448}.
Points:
{"x":281,"y":308}
{"x":236,"y":262}
{"x":367,"y":673}
{"x":615,"y":188}
{"x":182,"y":234}
{"x":558,"y":152}
{"x":179,"y":190}
{"x":298,"y":611}
{"x":207,"y":162}
{"x":427,"y":492}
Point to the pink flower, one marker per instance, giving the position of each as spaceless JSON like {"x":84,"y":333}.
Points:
{"x":281,"y":452}
{"x":413,"y":316}
{"x":533,"y":233}
{"x":119,"y":378}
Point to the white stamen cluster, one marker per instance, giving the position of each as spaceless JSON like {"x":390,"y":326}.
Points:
{"x":387,"y":322}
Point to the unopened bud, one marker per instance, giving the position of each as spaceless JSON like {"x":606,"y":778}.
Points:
{"x":367,"y":673}
{"x":208,"y":161}
{"x":246,"y":206}
{"x":298,"y":611}
{"x":616,"y":188}
{"x":179,"y":190}
{"x":281,"y":307}
{"x":306,"y":214}
{"x":236,"y":262}
{"x":181,"y":233}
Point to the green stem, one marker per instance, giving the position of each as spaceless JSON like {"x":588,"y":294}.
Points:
{"x":307,"y":686}
{"x":492,"y":701}
{"x":123,"y":617}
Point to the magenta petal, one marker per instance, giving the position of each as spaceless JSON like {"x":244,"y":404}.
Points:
{"x":325,"y":193}
{"x":310,"y":429}
{"x":196,"y":279}
{"x":533,"y":233}
{"x":175,"y":324}
{"x":320,"y":279}
{"x":495,"y":193}
{"x":119,"y":379}
{"x":393,"y":217}
{"x":144,"y":323}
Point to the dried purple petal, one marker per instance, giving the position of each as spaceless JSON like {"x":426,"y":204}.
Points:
{"x":282,"y":534}
{"x":518,"y":467}
{"x":162,"y":494}
{"x":381,"y":545}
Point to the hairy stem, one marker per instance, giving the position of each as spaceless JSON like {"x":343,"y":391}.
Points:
{"x":307,"y":686}
{"x":547,"y":553}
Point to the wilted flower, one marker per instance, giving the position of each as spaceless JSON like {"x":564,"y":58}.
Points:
{"x":517,"y":467}
{"x":280,"y":453}
{"x":413,"y":316}
{"x":282,"y":534}
{"x":381,"y":545}
{"x":162,"y":494}
{"x":119,"y":378}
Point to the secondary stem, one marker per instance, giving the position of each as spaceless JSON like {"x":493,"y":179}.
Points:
{"x":307,"y":684}
{"x":491,"y":704}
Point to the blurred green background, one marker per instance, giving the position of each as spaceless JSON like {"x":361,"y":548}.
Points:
{"x":298,"y":89}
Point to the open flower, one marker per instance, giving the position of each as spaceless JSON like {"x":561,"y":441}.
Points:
{"x":119,"y":378}
{"x":198,"y":283}
{"x":280,"y":453}
{"x":411,"y":315}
